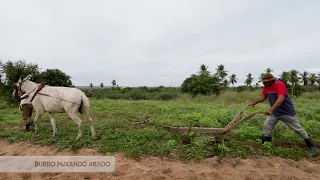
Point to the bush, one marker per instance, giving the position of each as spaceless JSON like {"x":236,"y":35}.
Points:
{"x":241,"y":88}
{"x":311,"y":95}
{"x":166,"y":97}
{"x":203,"y":84}
{"x":153,"y":90}
{"x":125,"y":90}
{"x":116,"y":96}
{"x":136,"y":96}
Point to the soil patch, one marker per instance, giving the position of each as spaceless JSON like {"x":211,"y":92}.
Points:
{"x":156,"y":168}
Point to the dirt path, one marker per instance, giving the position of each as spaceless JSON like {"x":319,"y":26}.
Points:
{"x":156,"y":168}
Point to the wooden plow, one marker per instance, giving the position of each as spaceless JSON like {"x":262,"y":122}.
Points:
{"x":236,"y":121}
{"x":217,"y":132}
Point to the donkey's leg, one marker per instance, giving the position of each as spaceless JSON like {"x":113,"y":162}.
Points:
{"x":93,"y":132}
{"x":37,"y":118}
{"x":74,"y":116}
{"x":90,"y":121}
{"x":53,"y":124}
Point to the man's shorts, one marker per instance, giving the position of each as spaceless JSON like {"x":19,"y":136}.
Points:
{"x":27,"y":111}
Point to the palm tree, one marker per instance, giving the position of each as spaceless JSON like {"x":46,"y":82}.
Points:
{"x":313,"y":79}
{"x":284,"y":77}
{"x":260,"y":77}
{"x":249,"y":79}
{"x":293,"y":79}
{"x":305,"y":78}
{"x":113,"y":83}
{"x":233,"y":79}
{"x":268,"y":70}
{"x":204,"y":70}
{"x":257,"y":85}
{"x":221,"y":72}
{"x":225,"y":84}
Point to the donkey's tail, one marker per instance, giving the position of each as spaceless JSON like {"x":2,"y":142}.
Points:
{"x":84,"y":110}
{"x":84,"y":105}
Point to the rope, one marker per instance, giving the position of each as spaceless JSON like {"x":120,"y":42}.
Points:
{"x":60,"y":99}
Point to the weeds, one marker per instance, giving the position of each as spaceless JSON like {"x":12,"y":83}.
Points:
{"x":115,"y":132}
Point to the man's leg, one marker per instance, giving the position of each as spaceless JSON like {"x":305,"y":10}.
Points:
{"x":31,"y":123}
{"x":26,"y":115}
{"x":293,"y":123}
{"x":268,"y":126}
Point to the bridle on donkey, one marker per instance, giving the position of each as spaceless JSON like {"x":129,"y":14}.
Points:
{"x":24,"y":94}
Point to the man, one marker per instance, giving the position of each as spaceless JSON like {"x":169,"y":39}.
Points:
{"x":26,"y":109}
{"x":282,"y":109}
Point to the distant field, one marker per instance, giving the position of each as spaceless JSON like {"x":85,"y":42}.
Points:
{"x":115,"y":132}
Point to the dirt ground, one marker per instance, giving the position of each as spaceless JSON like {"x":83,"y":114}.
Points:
{"x":157,"y":168}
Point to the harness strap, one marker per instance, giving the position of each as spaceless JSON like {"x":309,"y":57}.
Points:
{"x":39,"y":89}
{"x":17,"y":96}
{"x":24,"y":97}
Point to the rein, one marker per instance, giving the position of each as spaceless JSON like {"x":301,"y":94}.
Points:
{"x":38,"y":89}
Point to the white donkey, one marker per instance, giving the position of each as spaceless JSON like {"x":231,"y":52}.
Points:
{"x":54,"y":99}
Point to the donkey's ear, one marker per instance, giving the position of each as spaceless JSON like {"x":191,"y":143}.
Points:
{"x":19,"y":81}
{"x":27,"y":78}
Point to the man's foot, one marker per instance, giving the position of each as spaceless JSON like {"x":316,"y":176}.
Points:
{"x":31,"y":123}
{"x":28,"y":124}
{"x":312,"y":150}
{"x":311,"y":145}
{"x":266,"y":139}
{"x":27,"y":127}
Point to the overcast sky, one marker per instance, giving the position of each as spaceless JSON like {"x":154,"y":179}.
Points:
{"x":152,"y":43}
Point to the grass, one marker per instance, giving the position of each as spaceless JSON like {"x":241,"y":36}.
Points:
{"x":115,"y":132}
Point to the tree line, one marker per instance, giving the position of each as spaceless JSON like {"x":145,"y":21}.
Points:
{"x":113,"y":83}
{"x":203,"y":82}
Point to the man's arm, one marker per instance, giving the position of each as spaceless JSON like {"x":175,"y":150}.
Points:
{"x":281,"y":92}
{"x":277,"y":103}
{"x":263,"y":98}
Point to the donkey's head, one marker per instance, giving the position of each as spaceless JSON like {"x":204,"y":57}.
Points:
{"x":18,"y":85}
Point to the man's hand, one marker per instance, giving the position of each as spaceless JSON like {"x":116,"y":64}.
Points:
{"x":263,"y":98}
{"x":277,"y":103}
{"x":269,"y":112}
{"x":252,"y":104}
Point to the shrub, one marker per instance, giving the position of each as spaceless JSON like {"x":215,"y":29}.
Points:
{"x":166,"y":97}
{"x":311,"y":95}
{"x":136,"y":96}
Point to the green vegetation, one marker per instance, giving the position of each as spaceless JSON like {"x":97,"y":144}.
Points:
{"x":116,"y":132}
{"x":204,"y":99}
